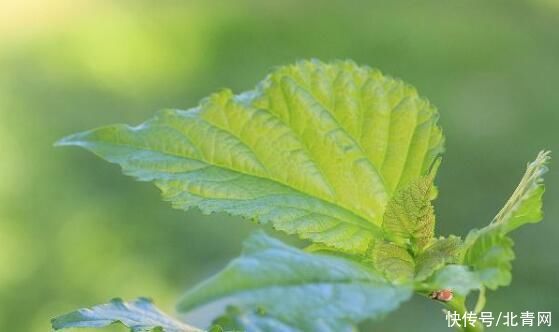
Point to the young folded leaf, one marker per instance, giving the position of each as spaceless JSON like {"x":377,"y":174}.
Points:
{"x":411,"y":252}
{"x":489,"y":250}
{"x":306,"y":292}
{"x":442,"y":251}
{"x":139,"y":315}
{"x":409,"y":219}
{"x":525,"y":204}
{"x":395,"y":262}
{"x":401,"y":266}
{"x":315,"y":149}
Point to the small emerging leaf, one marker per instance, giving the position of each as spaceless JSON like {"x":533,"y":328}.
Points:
{"x":442,"y":251}
{"x":490,"y":254}
{"x":409,"y":219}
{"x":458,"y":278}
{"x":308,"y":292}
{"x":409,"y":225}
{"x":139,"y":315}
{"x":489,"y":250}
{"x":398,"y":264}
{"x":394,"y":261}
{"x":525,"y":204}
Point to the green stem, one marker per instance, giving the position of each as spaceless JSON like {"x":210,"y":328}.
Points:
{"x":480,"y":304}
{"x":458,"y":305}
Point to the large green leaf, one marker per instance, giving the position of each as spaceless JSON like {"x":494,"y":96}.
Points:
{"x":316,"y":149}
{"x":296,"y":289}
{"x":139,"y":315}
{"x":489,"y":250}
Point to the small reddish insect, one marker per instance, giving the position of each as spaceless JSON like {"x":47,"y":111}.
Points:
{"x":443,"y":295}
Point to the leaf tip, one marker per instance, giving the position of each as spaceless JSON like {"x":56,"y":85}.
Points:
{"x":70,"y":140}
{"x":542,"y":160}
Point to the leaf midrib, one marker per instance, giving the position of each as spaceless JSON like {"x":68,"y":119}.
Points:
{"x":367,"y":225}
{"x":363,"y":281}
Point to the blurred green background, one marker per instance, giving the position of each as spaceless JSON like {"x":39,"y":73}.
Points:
{"x":75,"y":232}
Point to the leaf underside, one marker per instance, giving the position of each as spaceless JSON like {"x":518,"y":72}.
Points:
{"x":139,"y":315}
{"x":316,"y":149}
{"x":295,"y":289}
{"x":235,"y":319}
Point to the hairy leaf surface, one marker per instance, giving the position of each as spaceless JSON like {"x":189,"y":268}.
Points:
{"x":441,"y":251}
{"x":410,"y":250}
{"x":409,"y":219}
{"x":394,"y":261}
{"x":399,"y":265}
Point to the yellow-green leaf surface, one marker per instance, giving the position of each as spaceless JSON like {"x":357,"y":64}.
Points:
{"x":317,"y":149}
